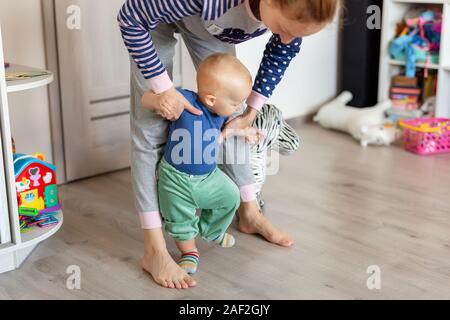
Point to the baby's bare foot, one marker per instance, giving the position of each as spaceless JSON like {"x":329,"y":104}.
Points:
{"x":251,"y":221}
{"x":165,"y":271}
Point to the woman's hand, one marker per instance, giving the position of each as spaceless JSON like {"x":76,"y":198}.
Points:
{"x":170,"y":104}
{"x":242,"y":126}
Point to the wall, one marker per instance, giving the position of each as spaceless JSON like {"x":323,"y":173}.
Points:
{"x":23,"y":40}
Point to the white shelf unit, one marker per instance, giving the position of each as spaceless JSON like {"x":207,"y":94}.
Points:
{"x":393,"y":13}
{"x":14,"y":246}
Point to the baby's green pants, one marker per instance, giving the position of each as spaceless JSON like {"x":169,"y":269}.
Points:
{"x":180,"y":194}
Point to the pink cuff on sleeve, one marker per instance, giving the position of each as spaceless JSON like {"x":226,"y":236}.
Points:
{"x":160,"y":83}
{"x":256,"y":100}
{"x":150,"y":220}
{"x":248,"y":193}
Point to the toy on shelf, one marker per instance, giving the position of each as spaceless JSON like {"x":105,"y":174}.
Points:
{"x":367,"y":125}
{"x":36,"y":189}
{"x":418,"y":38}
{"x":426,"y":136}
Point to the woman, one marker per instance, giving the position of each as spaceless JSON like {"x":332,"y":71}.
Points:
{"x":207,"y":27}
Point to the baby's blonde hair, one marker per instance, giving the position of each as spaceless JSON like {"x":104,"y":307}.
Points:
{"x":322,"y":11}
{"x":216,"y":63}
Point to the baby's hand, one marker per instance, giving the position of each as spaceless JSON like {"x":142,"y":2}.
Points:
{"x":252,"y":135}
{"x":170,"y":104}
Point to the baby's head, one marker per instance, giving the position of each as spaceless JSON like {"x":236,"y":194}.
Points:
{"x":224,"y":83}
{"x":292,"y":19}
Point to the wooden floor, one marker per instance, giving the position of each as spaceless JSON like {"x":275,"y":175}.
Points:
{"x":347,"y":207}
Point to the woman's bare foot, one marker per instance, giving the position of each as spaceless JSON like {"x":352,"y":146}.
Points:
{"x":251,"y":221}
{"x":158,"y":262}
{"x":166,"y":272}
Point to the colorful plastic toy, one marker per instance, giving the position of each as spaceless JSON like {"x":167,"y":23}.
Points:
{"x":418,"y":39}
{"x":36,"y":189}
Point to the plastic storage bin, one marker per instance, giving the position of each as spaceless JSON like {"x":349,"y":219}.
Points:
{"x":426,"y":136}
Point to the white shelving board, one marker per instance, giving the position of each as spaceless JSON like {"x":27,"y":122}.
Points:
{"x":431,"y":66}
{"x":393,"y":13}
{"x":26,"y":84}
{"x":36,"y":236}
{"x":14,"y":246}
{"x":12,"y":255}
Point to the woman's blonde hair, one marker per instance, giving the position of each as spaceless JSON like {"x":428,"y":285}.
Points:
{"x":310,"y":10}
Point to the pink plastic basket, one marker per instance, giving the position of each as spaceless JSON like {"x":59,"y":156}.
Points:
{"x":426,"y":136}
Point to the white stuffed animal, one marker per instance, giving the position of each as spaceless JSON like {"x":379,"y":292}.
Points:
{"x":367,"y":125}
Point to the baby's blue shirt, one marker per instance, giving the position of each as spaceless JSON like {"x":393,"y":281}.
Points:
{"x":192,"y":144}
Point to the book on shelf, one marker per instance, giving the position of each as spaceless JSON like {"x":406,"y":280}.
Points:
{"x":405,"y":98}
{"x":404,"y":81}
{"x":413,"y":91}
{"x":23,"y":75}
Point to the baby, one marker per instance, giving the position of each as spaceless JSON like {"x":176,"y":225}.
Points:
{"x":189,"y":178}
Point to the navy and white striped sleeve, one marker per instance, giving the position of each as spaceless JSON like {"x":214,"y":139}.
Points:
{"x":277,"y":57}
{"x":137,"y":18}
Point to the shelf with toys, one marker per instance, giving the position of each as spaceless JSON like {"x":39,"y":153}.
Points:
{"x":39,"y":210}
{"x":29,"y":206}
{"x":415,"y":57}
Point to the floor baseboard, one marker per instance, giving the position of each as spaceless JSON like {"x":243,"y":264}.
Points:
{"x":298,"y":121}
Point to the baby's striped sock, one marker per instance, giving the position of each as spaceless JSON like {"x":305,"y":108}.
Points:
{"x":189,"y":262}
{"x":225,"y":241}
